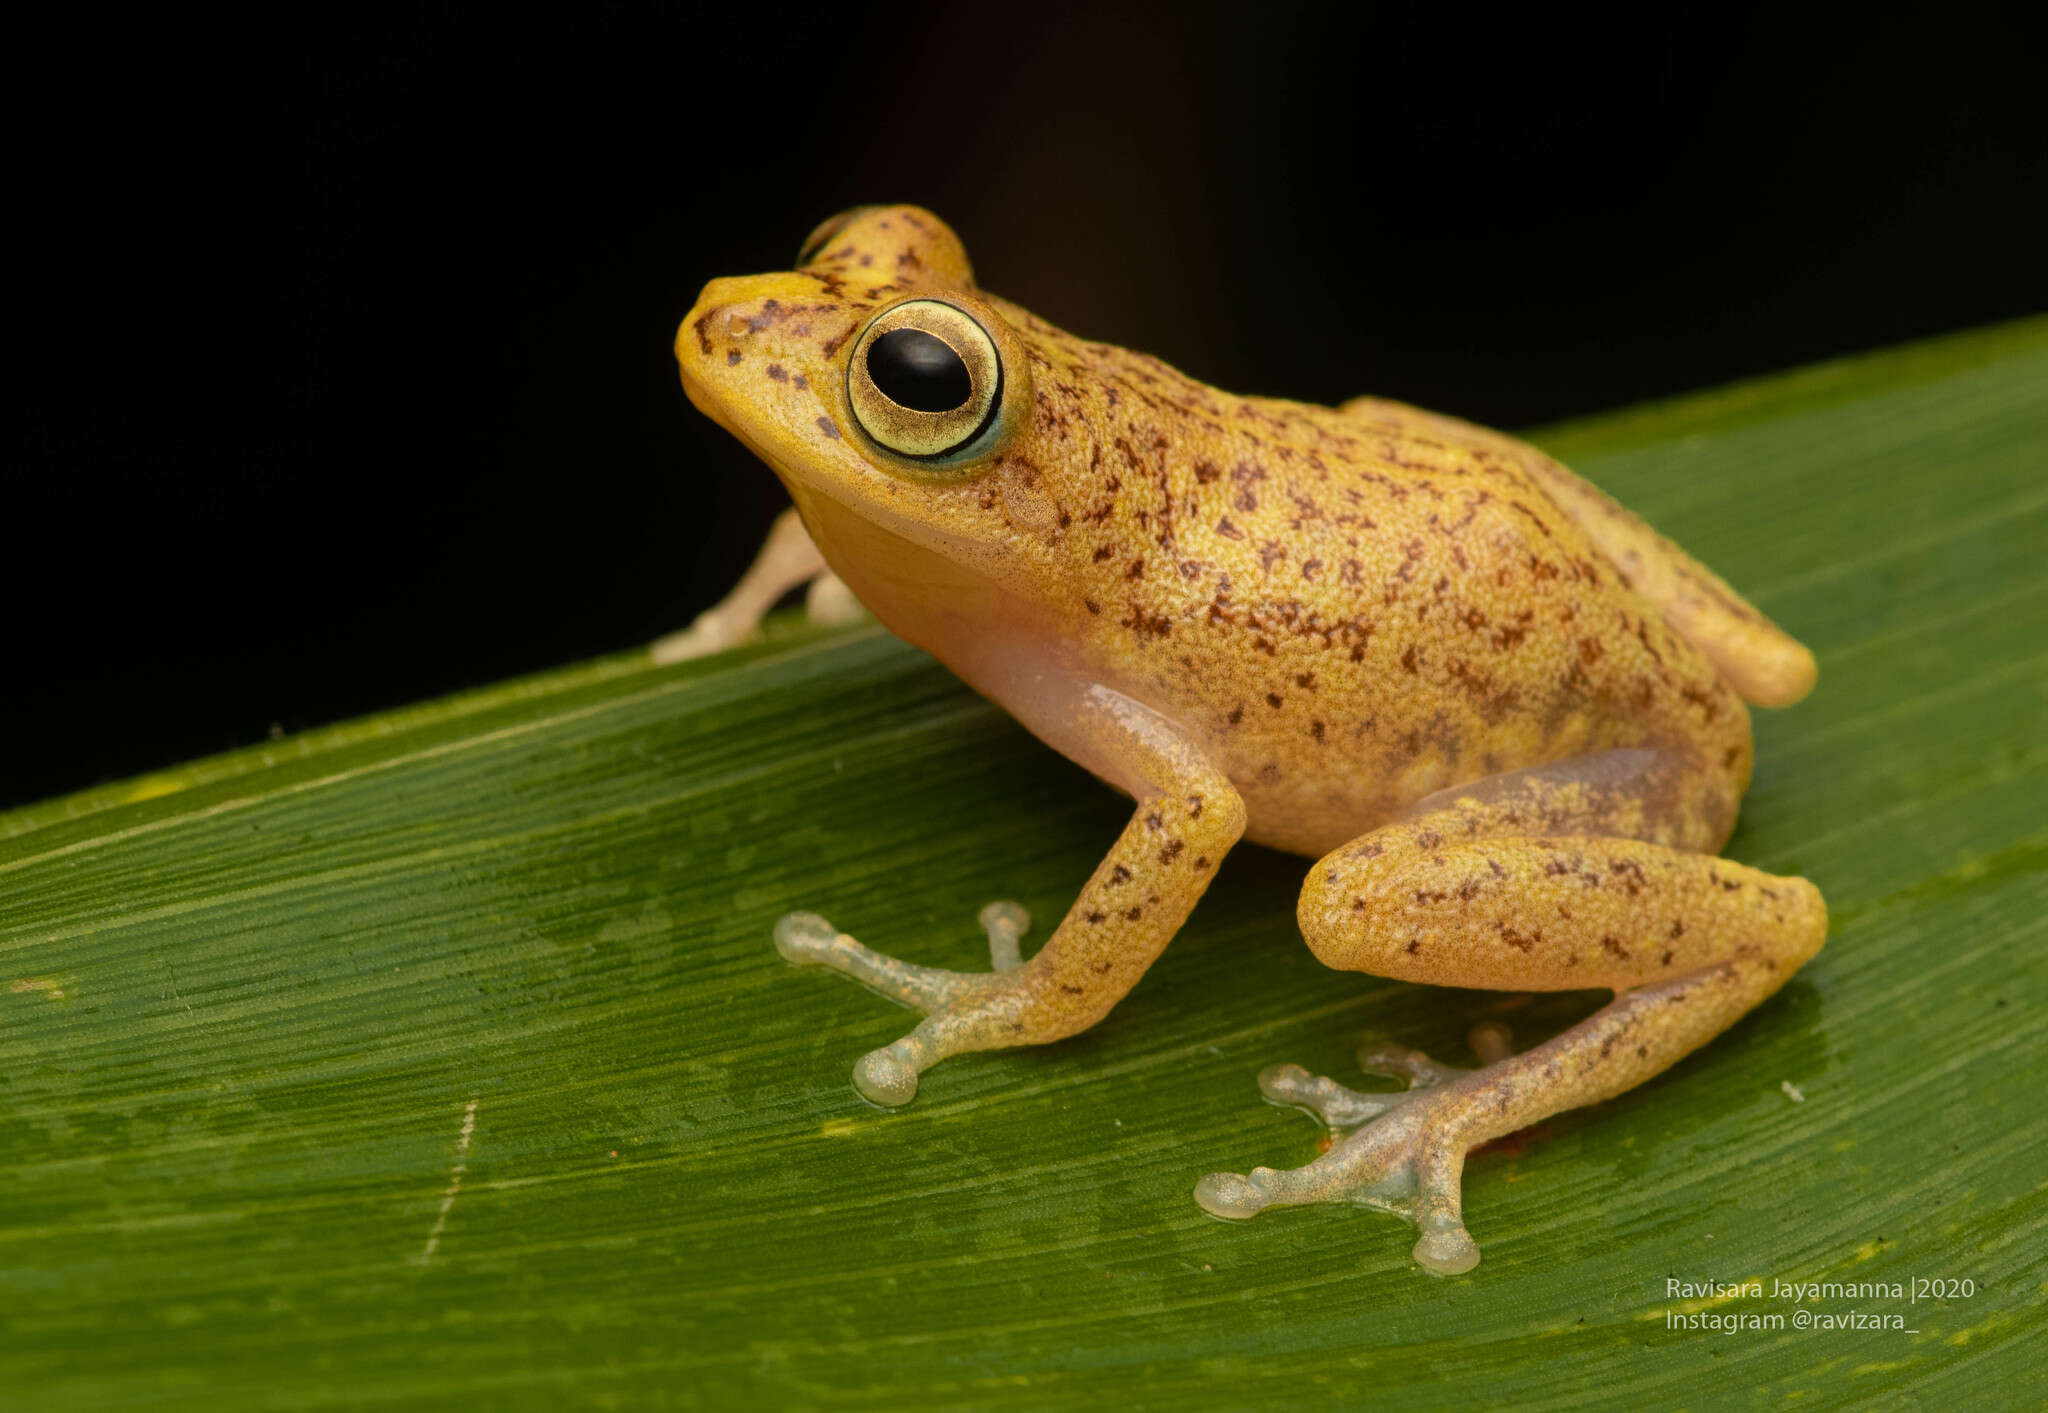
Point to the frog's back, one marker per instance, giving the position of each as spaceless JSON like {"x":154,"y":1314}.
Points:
{"x":1353,"y":613}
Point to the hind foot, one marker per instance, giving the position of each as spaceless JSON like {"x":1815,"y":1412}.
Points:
{"x":1401,"y":1151}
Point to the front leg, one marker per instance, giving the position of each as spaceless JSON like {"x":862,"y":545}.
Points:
{"x":1188,"y":816}
{"x":787,"y":558}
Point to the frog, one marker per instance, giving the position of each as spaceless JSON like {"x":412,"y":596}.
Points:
{"x":1506,"y":719}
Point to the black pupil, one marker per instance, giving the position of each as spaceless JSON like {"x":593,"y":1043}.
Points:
{"x":917,"y":371}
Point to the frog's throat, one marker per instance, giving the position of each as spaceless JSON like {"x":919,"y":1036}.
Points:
{"x":833,"y":509}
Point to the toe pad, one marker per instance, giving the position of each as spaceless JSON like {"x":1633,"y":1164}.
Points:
{"x":883,"y":1077}
{"x":800,"y":937}
{"x":1229,"y":1195}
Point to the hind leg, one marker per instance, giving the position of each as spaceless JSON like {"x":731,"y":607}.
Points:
{"x":1463,"y":893}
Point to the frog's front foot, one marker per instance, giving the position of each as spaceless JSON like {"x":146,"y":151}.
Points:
{"x":951,"y":1000}
{"x":1401,"y":1151}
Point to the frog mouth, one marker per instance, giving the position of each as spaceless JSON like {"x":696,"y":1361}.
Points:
{"x":843,"y":491}
{"x":845,"y":486}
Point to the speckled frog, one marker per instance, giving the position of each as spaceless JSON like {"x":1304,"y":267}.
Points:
{"x":1503,"y":715}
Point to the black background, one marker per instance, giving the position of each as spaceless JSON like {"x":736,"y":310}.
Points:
{"x":343,"y":371}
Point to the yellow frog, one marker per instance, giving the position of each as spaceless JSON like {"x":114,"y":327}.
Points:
{"x":1504,"y":715}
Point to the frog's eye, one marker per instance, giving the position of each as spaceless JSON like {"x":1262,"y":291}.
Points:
{"x":814,"y":243}
{"x":926,"y":381}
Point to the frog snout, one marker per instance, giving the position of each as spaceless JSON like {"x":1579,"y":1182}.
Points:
{"x":726,"y":294}
{"x":721,"y":318}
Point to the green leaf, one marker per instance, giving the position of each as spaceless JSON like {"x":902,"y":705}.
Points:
{"x":444,"y":1055}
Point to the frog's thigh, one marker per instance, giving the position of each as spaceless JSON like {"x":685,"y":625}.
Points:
{"x":787,"y":558}
{"x":1583,"y":873}
{"x":1566,"y":913}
